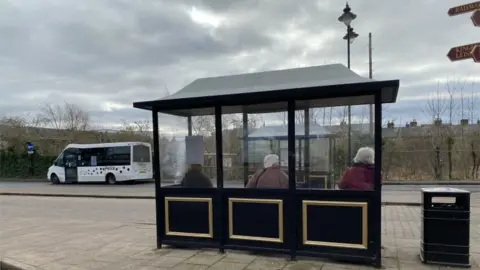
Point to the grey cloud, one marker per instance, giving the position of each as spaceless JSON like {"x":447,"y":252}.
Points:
{"x":148,"y":37}
{"x":224,"y":6}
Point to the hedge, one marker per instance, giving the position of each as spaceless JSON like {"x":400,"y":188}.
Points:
{"x":15,"y":165}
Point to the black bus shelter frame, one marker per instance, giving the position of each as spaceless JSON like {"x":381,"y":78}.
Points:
{"x":339,"y":224}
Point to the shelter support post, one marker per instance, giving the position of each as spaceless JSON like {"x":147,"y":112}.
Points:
{"x":299,"y":160}
{"x":306,"y":160}
{"x":377,"y":220}
{"x":349,"y":108}
{"x":159,"y":204}
{"x":189,"y":119}
{"x":219,"y":160}
{"x":245,"y":148}
{"x":278,"y":149}
{"x":349,"y":136}
{"x":332,"y":163}
{"x":293,"y":228}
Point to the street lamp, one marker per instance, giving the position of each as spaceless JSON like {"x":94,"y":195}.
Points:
{"x":347,"y":17}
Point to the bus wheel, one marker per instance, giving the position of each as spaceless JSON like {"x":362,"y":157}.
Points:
{"x":110,"y":178}
{"x":54,"y":179}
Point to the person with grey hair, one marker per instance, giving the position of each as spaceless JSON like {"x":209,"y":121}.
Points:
{"x":271,"y":176}
{"x":362,"y":173}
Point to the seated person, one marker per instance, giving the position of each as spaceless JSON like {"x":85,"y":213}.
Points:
{"x":196,"y":178}
{"x":271,"y":176}
{"x":362,"y":173}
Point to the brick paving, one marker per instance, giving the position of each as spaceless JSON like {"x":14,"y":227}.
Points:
{"x":66,"y":243}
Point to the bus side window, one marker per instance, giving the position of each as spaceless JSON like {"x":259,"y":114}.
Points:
{"x":98,"y":156}
{"x":141,"y":153}
{"x":71,"y":157}
{"x":118,"y":156}
{"x":85,"y":155}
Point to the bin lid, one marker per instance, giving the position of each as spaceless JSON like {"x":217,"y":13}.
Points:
{"x":445,"y":190}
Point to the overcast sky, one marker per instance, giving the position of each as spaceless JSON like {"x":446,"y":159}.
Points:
{"x":105,"y":54}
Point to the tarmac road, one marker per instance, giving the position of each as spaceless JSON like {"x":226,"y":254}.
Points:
{"x":146,"y":189}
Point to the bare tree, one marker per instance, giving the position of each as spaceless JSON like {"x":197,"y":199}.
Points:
{"x":435,"y":108}
{"x":235,"y":121}
{"x":68,"y":117}
{"x":75,"y":117}
{"x":15,"y":131}
{"x":475,"y":154}
{"x":314,"y":115}
{"x":474,"y":142}
{"x":452,"y":87}
{"x":140,"y":130}
{"x":472,"y":106}
{"x":342,"y":113}
{"x":12,"y":132}
{"x":203,"y":125}
{"x":391,"y":148}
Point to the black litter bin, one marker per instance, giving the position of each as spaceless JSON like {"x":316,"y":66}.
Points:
{"x":445,"y":226}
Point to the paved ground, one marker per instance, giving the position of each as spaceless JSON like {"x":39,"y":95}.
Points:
{"x":81,"y":233}
{"x":147,"y":191}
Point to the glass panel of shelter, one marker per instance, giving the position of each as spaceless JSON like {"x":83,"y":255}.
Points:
{"x":255,"y":138}
{"x":188,"y":149}
{"x":323,"y":133}
{"x":255,"y":147}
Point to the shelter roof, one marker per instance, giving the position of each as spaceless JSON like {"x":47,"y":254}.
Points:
{"x":272,"y":88}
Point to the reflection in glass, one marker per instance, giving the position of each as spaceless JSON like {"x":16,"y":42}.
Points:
{"x":187,"y":151}
{"x":360,"y":173}
{"x":233,"y":162}
{"x":324,"y":138}
{"x":315,"y":142}
{"x":196,"y":176}
{"x":268,"y":151}
{"x":255,"y":146}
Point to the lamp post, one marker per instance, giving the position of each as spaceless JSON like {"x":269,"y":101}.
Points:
{"x":347,"y":17}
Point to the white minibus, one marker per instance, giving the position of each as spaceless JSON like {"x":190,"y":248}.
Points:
{"x":102,"y":162}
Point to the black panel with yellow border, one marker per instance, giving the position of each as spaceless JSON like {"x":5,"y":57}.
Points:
{"x":189,"y":217}
{"x":255,"y":219}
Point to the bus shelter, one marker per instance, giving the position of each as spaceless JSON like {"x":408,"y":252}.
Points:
{"x":314,"y":146}
{"x":341,"y":224}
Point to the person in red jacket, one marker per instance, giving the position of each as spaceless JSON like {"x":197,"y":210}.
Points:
{"x":362,"y":173}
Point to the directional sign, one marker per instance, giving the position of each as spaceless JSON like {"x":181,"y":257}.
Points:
{"x":461,"y":52}
{"x":476,"y":18}
{"x":29,"y":148}
{"x":463,"y":9}
{"x":476,"y":54}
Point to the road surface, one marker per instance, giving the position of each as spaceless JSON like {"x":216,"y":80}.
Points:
{"x":147,"y":188}
{"x":390,"y":194}
{"x":77,"y":209}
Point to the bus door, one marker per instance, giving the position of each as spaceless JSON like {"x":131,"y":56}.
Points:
{"x":70,"y":159}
